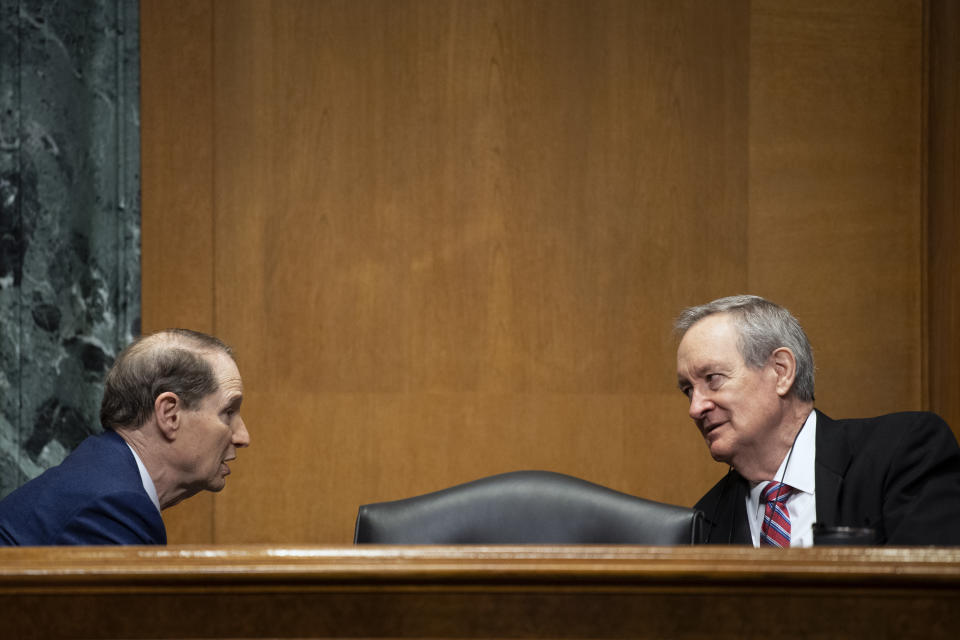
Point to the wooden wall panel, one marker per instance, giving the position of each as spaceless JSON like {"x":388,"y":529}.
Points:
{"x":443,"y":234}
{"x":836,"y":191}
{"x":944,"y":203}
{"x":448,"y":238}
{"x":177,"y":230}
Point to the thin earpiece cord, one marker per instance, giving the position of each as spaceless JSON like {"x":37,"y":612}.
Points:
{"x":763,"y":524}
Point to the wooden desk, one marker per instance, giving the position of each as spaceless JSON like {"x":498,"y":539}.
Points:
{"x":477,"y":592}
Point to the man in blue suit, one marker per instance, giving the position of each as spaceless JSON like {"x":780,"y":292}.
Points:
{"x":171,"y":414}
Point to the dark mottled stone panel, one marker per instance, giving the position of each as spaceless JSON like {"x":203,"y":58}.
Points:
{"x":69,"y":188}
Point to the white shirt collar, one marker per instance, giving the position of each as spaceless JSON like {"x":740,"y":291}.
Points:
{"x":145,"y":478}
{"x":797,"y":468}
{"x":800,"y":473}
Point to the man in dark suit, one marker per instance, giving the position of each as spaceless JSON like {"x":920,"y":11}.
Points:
{"x":746,"y":366}
{"x":171,"y":413}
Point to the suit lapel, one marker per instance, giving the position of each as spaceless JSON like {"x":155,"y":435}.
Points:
{"x":831,"y":462}
{"x":729,"y":514}
{"x":741,"y":528}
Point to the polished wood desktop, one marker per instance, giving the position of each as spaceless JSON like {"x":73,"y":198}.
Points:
{"x":477,"y":592}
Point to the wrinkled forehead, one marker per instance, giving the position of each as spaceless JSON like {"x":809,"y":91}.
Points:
{"x":224,"y":369}
{"x":718,"y":331}
{"x":710,"y":342}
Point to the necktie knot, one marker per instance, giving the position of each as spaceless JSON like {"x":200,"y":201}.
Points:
{"x":777,"y":492}
{"x":775,"y":531}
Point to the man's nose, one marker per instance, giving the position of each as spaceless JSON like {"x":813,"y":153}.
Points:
{"x":699,"y":404}
{"x":241,"y":438}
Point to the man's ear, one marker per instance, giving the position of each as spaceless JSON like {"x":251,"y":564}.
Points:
{"x":785,"y":366}
{"x":167,"y":410}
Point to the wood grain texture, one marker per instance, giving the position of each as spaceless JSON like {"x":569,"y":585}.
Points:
{"x":275,"y":567}
{"x":944,"y":210}
{"x":448,"y":238}
{"x":836,"y":191}
{"x":177,"y":226}
{"x":443,"y":230}
{"x":477,"y":592}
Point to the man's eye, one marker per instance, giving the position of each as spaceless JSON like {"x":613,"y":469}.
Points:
{"x":685,"y":391}
{"x":714,"y":380}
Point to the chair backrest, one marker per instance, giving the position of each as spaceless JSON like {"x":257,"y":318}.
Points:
{"x":521,"y":507}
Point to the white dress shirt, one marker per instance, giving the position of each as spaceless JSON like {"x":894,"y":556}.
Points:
{"x":798,"y":471}
{"x":145,"y":478}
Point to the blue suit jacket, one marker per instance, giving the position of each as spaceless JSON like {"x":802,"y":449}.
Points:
{"x":95,"y":496}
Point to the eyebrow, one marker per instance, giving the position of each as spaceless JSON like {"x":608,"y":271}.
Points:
{"x":714,"y":366}
{"x":234,"y":402}
{"x":700,"y":372}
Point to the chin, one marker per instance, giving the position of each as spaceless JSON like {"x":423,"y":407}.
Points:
{"x":720,"y":454}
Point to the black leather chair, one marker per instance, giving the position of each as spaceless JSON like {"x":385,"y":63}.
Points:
{"x":523,"y":507}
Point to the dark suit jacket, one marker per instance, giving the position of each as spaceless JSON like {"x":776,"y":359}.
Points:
{"x":95,"y":496}
{"x":898,"y":473}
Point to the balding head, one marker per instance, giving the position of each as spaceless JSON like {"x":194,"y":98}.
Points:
{"x":175,"y":360}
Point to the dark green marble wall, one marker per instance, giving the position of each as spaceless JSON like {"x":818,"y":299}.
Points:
{"x":69,"y":220}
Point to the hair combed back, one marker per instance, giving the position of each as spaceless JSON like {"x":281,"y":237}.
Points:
{"x":171,"y":360}
{"x":763,"y":327}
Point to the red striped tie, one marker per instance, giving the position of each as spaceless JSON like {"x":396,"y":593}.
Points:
{"x":775,"y":531}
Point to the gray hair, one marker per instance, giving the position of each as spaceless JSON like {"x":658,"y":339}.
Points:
{"x":170,"y":360}
{"x":763,"y":327}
